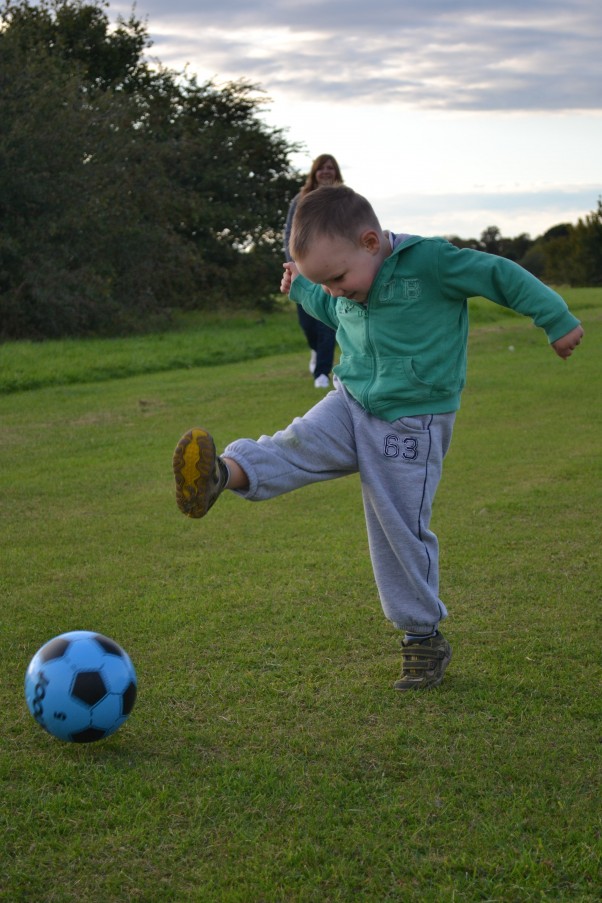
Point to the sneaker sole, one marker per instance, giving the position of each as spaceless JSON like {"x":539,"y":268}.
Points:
{"x":193,"y":465}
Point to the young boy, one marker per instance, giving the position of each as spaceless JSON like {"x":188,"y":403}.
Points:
{"x":398,"y":303}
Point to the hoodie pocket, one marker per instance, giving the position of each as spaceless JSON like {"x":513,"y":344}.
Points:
{"x":396,"y":381}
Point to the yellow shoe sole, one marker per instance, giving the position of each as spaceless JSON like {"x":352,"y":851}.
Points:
{"x":194,"y":468}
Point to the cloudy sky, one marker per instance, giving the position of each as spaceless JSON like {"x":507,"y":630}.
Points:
{"x":449,"y":115}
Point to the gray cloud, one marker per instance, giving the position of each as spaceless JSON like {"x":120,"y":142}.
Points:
{"x":438,"y":54}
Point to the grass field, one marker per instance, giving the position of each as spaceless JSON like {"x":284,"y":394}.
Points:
{"x":268,"y":758}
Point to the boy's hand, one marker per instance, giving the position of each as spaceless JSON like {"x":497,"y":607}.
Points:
{"x":565,"y":346}
{"x":290,"y":272}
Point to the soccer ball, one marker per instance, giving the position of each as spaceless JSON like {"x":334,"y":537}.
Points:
{"x":80,"y":686}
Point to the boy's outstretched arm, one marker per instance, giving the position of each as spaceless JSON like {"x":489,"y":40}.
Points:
{"x":566,"y":344}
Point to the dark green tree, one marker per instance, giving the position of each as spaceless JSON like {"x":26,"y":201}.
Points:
{"x":125,"y":191}
{"x":586,"y":248}
{"x":555,"y":248}
{"x":564,"y":255}
{"x":534,"y":260}
{"x":516,"y":248}
{"x":490,"y":240}
{"x":572,"y":254}
{"x":235,"y":176}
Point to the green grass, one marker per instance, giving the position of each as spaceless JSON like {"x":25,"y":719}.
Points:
{"x":196,"y":341}
{"x":268,"y":758}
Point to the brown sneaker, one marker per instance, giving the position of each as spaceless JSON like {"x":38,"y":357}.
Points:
{"x":423,"y":663}
{"x":200,"y":473}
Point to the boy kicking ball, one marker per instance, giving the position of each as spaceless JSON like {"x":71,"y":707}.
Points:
{"x":399,"y":306}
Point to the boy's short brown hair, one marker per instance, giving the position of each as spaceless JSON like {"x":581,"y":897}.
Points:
{"x":335,"y":211}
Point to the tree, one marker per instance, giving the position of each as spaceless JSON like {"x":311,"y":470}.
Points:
{"x":586,"y":248}
{"x":534,"y":260}
{"x":573,"y":254}
{"x":125,"y":192}
{"x":516,"y":248}
{"x":555,"y":247}
{"x":235,"y":175}
{"x":79,"y":34}
{"x":490,"y":240}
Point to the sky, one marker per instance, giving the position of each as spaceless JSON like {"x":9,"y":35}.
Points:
{"x":450,"y":116}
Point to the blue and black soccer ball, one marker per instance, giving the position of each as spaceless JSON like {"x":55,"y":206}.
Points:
{"x":80,"y":686}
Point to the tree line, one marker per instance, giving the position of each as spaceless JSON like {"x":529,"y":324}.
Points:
{"x":564,"y":255}
{"x":129,"y":190}
{"x":126,"y":190}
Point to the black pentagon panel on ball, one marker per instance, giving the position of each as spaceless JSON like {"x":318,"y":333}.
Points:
{"x":128,"y":699}
{"x":89,"y":735}
{"x":108,"y":645}
{"x":89,"y":687}
{"x":54,"y":649}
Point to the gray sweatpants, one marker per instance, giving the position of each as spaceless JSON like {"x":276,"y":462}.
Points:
{"x":399,"y":465}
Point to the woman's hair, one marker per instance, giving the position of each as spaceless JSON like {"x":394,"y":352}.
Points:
{"x":311,"y":182}
{"x":335,"y":211}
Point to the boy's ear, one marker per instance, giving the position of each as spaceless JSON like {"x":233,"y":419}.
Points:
{"x":370,"y":241}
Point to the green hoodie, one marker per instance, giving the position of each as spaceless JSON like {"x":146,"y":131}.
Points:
{"x":403,"y":352}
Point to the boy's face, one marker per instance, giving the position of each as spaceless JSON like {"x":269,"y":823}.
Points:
{"x":342,"y":267}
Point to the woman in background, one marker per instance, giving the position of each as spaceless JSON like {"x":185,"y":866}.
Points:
{"x":320,"y":338}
